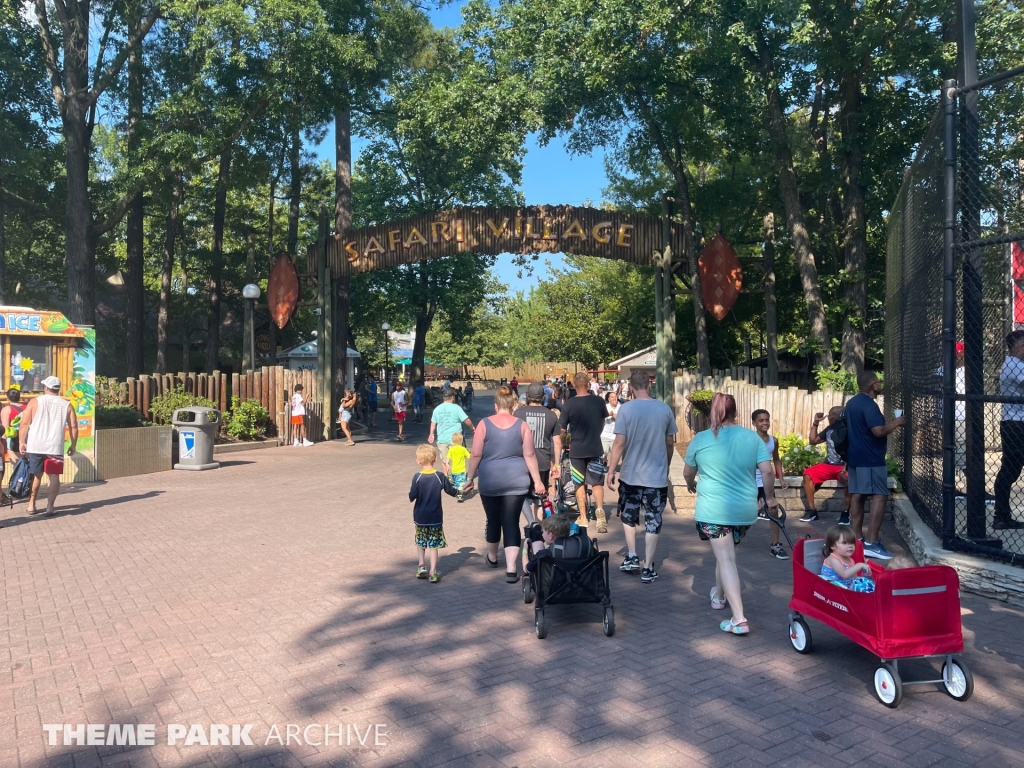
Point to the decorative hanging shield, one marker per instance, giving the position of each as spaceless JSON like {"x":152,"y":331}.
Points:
{"x":283,"y":290}
{"x":721,"y":277}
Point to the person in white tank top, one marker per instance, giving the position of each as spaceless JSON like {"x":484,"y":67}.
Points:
{"x":41,"y":439}
{"x":762,"y":421}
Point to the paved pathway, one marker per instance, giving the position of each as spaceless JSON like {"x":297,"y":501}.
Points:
{"x":279,"y":590}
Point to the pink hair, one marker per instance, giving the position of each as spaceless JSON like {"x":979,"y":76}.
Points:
{"x":723,"y":409}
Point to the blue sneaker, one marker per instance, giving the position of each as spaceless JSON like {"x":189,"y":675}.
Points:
{"x":877,"y":551}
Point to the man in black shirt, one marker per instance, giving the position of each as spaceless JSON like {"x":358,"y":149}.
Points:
{"x":547,"y":441}
{"x":583,"y":419}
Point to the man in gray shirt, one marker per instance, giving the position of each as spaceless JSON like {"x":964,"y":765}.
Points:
{"x":645,"y":432}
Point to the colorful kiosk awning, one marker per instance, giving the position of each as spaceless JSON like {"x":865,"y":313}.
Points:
{"x":35,"y":344}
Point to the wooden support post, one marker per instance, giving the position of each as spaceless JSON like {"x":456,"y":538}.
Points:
{"x":325,"y":325}
{"x":769,"y":300}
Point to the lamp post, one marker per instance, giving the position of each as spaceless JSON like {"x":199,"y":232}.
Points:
{"x":251,"y":292}
{"x":387,"y":354}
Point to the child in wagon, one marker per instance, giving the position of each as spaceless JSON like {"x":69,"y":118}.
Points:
{"x":839,"y":566}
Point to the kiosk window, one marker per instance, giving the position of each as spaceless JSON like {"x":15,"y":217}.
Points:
{"x":28,"y":365}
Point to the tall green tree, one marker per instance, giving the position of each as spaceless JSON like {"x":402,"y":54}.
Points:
{"x":435,"y":143}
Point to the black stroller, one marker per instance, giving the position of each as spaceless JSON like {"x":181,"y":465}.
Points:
{"x":561,"y":580}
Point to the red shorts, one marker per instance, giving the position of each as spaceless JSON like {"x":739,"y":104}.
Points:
{"x":820,"y":473}
{"x":399,"y":415}
{"x":296,"y":419}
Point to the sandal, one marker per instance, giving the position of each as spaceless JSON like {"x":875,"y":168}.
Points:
{"x":421,"y":572}
{"x":491,"y":563}
{"x":717,"y":604}
{"x":735,"y":628}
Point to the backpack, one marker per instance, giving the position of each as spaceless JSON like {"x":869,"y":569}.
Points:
{"x":21,"y":480}
{"x":841,"y":436}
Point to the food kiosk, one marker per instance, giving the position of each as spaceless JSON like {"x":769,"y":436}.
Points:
{"x":35,"y":344}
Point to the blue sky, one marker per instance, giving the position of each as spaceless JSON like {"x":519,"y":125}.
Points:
{"x":550,"y":175}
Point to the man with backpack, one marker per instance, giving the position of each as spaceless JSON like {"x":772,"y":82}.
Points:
{"x":832,"y":468}
{"x":42,"y":440}
{"x":866,"y":432}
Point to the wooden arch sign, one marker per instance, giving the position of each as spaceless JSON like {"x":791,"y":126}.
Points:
{"x":519,"y":230}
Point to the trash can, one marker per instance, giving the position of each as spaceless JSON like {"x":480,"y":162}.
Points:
{"x":197,"y":429}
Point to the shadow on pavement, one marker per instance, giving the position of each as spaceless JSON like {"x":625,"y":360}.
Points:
{"x":79,"y":509}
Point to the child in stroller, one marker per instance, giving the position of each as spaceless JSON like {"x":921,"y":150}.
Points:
{"x":570,"y":569}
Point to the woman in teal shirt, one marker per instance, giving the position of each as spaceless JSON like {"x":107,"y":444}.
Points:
{"x":725,"y":457}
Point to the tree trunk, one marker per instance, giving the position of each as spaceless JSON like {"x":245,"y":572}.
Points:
{"x":248,"y":358}
{"x":795,"y":222}
{"x":135,"y":361}
{"x":214,"y":284}
{"x":270,"y":265}
{"x":424,"y":320}
{"x":342,"y":223}
{"x":693,"y":259}
{"x":79,"y":253}
{"x":295,"y":193}
{"x":854,"y":228}
{"x":166,"y":272}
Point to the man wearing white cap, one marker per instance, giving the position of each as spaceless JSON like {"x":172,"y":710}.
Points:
{"x":42,"y":440}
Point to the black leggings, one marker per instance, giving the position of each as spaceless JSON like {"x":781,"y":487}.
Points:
{"x":503,"y":518}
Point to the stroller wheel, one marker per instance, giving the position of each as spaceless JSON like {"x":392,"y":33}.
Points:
{"x":800,"y":635}
{"x":527,"y":589}
{"x":888,"y":686}
{"x":541,"y":625}
{"x":957,"y":679}
{"x":609,"y":621}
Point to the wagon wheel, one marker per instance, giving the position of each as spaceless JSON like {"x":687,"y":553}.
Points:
{"x":957,"y":679}
{"x":527,"y":589}
{"x":888,"y":686}
{"x":800,"y":634}
{"x":541,"y":624}
{"x":609,"y":621}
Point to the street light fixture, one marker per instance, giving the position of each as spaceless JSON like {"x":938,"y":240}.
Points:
{"x":251,"y":292}
{"x":387,"y":355}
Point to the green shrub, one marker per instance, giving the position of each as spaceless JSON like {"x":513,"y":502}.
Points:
{"x":797,"y":455}
{"x":835,"y":378}
{"x":110,"y":391}
{"x":247,"y":419}
{"x":162,"y":407}
{"x":892,"y":468}
{"x":118,"y":417}
{"x":700,"y":399}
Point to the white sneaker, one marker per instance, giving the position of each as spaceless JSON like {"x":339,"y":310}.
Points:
{"x":295,"y":443}
{"x":306,"y":443}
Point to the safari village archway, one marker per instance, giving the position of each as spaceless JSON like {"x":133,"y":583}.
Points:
{"x":635,"y":238}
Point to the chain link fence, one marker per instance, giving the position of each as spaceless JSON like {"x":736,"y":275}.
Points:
{"x":954,"y":306}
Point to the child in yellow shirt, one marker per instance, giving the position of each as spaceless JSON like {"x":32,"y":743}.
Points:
{"x":457,"y":456}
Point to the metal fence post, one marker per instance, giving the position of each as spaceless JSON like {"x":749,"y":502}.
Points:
{"x":949,"y":317}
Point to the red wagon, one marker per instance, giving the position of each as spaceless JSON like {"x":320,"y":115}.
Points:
{"x":913,"y":613}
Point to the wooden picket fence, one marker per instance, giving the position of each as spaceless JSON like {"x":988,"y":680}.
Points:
{"x":528,"y":371}
{"x":272,"y":386}
{"x":792,"y":409}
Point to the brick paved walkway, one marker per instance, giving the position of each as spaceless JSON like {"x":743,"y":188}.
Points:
{"x":279,"y":589}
